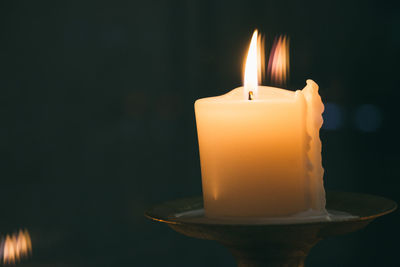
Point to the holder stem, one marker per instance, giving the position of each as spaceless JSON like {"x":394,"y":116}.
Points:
{"x":271,"y":255}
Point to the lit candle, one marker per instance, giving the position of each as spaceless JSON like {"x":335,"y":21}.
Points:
{"x":260,"y":150}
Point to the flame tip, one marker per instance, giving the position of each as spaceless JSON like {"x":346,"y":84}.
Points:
{"x":251,"y":69}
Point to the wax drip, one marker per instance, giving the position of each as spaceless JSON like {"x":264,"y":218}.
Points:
{"x":315,"y":171}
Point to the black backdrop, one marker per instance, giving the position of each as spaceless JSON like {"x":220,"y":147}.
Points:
{"x":97,"y":120}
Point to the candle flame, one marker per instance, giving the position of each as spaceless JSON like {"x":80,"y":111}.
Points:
{"x":253,"y":66}
{"x":278,"y":64}
{"x":15,"y":247}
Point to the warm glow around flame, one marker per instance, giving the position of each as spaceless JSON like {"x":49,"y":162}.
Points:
{"x":278,"y":65}
{"x":16,"y":247}
{"x":251,"y":71}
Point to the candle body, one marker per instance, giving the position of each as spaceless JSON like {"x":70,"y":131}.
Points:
{"x":259,"y":158}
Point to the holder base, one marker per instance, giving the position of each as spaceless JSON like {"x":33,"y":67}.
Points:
{"x":273,"y":244}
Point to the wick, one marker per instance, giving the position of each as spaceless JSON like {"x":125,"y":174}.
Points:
{"x":251,"y":97}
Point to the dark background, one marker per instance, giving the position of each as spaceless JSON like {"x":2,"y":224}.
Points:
{"x":97,"y":120}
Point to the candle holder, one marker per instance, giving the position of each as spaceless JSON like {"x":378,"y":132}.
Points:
{"x":272,"y":244}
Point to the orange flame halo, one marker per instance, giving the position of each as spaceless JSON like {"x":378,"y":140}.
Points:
{"x":278,"y":64}
{"x":16,"y":247}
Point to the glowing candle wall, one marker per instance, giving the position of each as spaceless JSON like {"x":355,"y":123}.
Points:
{"x":261,"y":157}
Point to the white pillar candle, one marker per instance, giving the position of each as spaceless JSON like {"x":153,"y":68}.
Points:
{"x":261,"y":157}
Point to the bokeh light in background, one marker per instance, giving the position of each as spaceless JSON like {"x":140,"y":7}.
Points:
{"x":15,"y":247}
{"x":278,"y":69}
{"x":367,"y":118}
{"x":333,"y":116}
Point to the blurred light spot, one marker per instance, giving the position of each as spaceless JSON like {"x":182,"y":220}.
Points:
{"x":278,"y":65}
{"x":333,"y":117}
{"x":15,"y":247}
{"x":368,"y":118}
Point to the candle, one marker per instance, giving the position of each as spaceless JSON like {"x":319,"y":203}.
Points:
{"x":260,"y":151}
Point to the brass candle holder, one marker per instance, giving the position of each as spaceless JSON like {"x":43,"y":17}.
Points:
{"x":272,"y":244}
